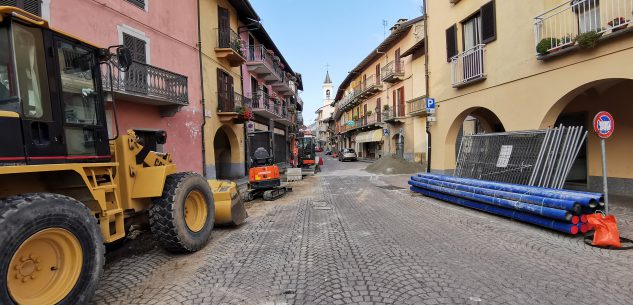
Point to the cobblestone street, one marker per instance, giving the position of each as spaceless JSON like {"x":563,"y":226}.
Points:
{"x":349,"y":237}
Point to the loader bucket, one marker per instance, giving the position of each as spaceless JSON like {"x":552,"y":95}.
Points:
{"x":229,"y":207}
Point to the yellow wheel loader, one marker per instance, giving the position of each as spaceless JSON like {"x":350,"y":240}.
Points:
{"x":66,"y":189}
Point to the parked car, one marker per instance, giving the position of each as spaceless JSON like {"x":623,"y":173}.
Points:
{"x":347,"y":154}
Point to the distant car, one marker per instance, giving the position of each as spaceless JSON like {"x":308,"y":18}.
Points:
{"x":347,"y":154}
{"x":318,"y":149}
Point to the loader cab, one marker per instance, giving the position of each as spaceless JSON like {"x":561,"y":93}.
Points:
{"x":51,"y":101}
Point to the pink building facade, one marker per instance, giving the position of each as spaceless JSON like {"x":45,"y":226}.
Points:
{"x":162,"y":90}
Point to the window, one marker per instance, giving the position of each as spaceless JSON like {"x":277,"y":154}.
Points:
{"x":78,"y":85}
{"x":79,"y":97}
{"x":8,"y":95}
{"x":327,"y":94}
{"x":137,"y":46}
{"x":32,"y":6}
{"x":137,"y":3}
{"x":136,"y":76}
{"x":31,"y":72}
{"x":588,"y":15}
{"x":472,"y":32}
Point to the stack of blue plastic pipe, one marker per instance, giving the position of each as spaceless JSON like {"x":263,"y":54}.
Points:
{"x":556,"y":209}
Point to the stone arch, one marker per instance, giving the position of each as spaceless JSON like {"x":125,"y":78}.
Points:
{"x":487,"y":120}
{"x":577,"y":107}
{"x":226,"y":153}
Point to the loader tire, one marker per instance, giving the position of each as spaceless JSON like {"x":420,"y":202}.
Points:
{"x":52,"y":250}
{"x":183,"y":217}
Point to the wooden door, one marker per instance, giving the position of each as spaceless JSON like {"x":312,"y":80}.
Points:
{"x":365,"y":114}
{"x":401,"y":102}
{"x":378,"y":110}
{"x":224,"y":28}
{"x":225,"y":92}
{"x":398,"y":65}
{"x":394,"y":104}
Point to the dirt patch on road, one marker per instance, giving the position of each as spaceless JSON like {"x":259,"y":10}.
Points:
{"x":391,"y":165}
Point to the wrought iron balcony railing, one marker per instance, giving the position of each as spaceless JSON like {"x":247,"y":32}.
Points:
{"x":149,"y":82}
{"x":468,"y":67}
{"x":229,"y":39}
{"x":393,"y":71}
{"x":261,"y":100}
{"x":417,"y":106}
{"x":558,"y":27}
{"x":232,"y":102}
{"x":259,"y":54}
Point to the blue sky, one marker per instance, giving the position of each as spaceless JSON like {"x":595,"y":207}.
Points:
{"x":313,"y":33}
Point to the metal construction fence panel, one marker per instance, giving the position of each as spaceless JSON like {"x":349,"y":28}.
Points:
{"x":533,"y":157}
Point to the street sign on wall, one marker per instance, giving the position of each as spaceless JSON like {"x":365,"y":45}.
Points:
{"x":603,"y":124}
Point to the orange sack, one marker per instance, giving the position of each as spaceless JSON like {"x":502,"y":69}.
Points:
{"x":606,"y":230}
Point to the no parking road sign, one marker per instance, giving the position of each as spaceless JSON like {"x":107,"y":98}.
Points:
{"x":603,"y":124}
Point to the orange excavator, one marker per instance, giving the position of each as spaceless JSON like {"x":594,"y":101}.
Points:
{"x":264,"y":178}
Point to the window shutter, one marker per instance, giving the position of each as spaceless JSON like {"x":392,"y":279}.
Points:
{"x":488,"y":22}
{"x":138,"y":3}
{"x":32,"y":6}
{"x":451,"y":42}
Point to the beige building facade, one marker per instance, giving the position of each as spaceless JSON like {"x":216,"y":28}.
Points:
{"x":379,"y":107}
{"x":484,"y":64}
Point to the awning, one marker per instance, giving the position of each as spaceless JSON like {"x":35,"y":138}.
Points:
{"x":369,"y":136}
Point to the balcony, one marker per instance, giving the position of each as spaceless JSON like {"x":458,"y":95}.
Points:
{"x":392,"y":115}
{"x":393,"y":72}
{"x":468,"y":67}
{"x":556,"y":30}
{"x":369,"y":86}
{"x":230,"y":105}
{"x":299,"y":103}
{"x":283,"y":86}
{"x":261,"y":62}
{"x":147,"y":84}
{"x":299,"y":118}
{"x":271,"y":107}
{"x":417,"y":107}
{"x":229,"y":46}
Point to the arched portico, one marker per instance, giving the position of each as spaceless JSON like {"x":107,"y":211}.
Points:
{"x":226,"y":154}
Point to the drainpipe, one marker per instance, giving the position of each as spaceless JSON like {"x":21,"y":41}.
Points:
{"x":203,"y":101}
{"x":427,"y":84}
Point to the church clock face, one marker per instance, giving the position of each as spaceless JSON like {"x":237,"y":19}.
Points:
{"x":327,"y":94}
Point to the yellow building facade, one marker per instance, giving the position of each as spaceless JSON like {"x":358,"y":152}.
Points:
{"x":380,"y":105}
{"x":484,"y":65}
{"x":223,"y":140}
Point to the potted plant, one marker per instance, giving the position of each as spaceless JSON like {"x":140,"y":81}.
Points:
{"x":244,"y":114}
{"x":237,"y":46}
{"x":618,"y":24}
{"x":566,"y":41}
{"x":354,"y":117}
{"x":588,"y":40}
{"x":368,"y":113}
{"x":547,"y":45}
{"x":385,"y":107}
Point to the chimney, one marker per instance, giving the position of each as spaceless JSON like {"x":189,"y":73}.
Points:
{"x":398,"y":24}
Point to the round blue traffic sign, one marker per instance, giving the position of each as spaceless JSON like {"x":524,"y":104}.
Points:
{"x":603,"y":124}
